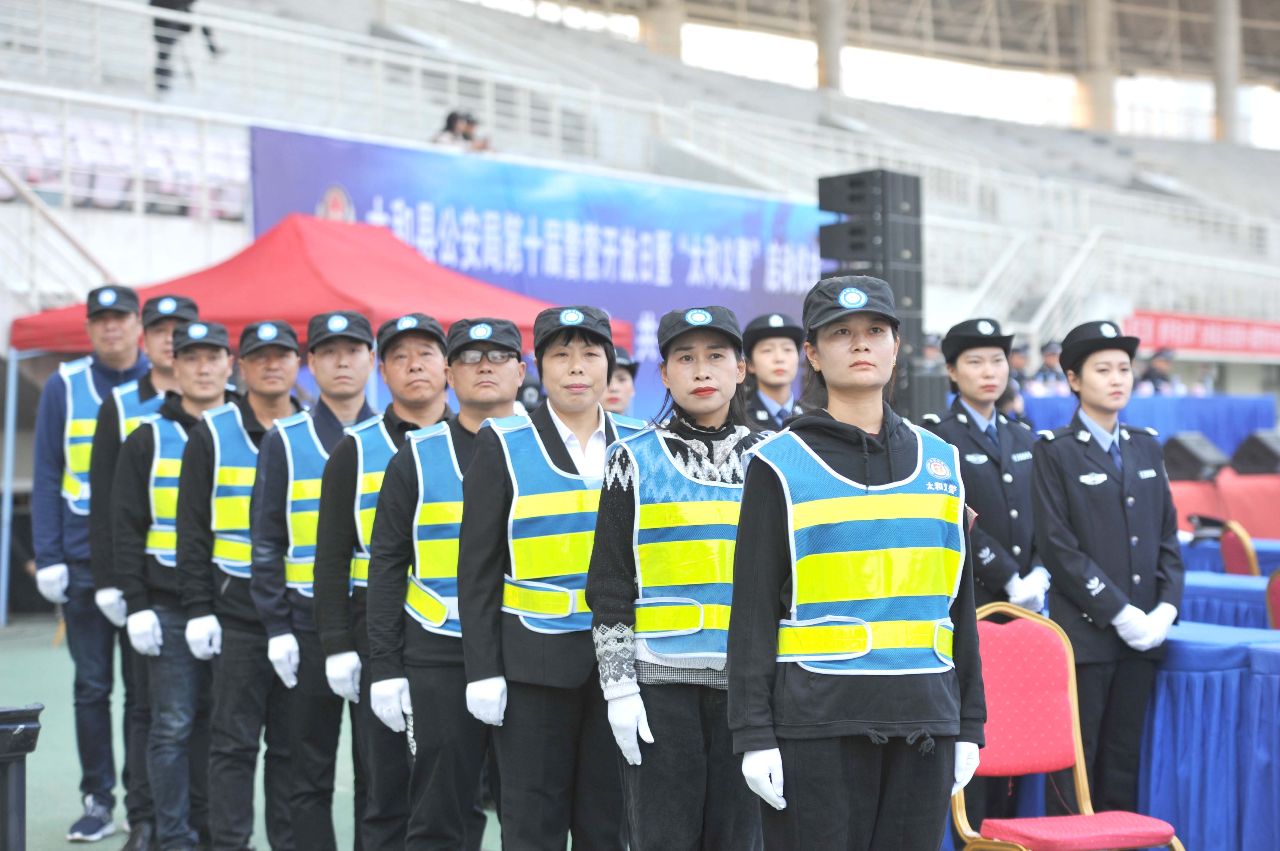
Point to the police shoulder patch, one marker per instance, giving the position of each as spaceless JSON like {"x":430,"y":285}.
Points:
{"x":932,"y":418}
{"x":1025,"y":425}
{"x":1047,"y":434}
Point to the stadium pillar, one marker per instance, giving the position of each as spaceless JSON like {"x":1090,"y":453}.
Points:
{"x":831,"y":26}
{"x":660,"y":26}
{"x":1098,"y":77}
{"x":1226,"y":70}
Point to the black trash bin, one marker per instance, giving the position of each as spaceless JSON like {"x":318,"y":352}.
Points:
{"x":19,"y":729}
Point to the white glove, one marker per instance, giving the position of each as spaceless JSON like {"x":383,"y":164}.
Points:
{"x":966,"y":764}
{"x":144,"y":632}
{"x":204,"y":637}
{"x":1161,"y":618}
{"x":763,"y":770}
{"x":342,"y":670}
{"x":628,"y":718}
{"x":283,"y":652}
{"x":1025,"y":592}
{"x":389,"y":700}
{"x":110,"y":602}
{"x":1134,"y":627}
{"x":487,"y":700}
{"x":1041,"y":576}
{"x":52,"y":582}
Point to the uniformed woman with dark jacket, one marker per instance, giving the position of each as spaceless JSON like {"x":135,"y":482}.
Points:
{"x":660,"y":586}
{"x":772,"y":345}
{"x":1107,"y":530}
{"x":855,"y":686}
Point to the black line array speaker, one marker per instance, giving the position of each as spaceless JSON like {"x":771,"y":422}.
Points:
{"x":1189,"y":456}
{"x":1260,"y":453}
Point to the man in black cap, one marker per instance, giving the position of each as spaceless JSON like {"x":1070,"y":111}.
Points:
{"x":415,"y":646}
{"x":622,"y":382}
{"x":144,"y":502}
{"x":1049,"y":379}
{"x":60,"y":503}
{"x":772,"y":346}
{"x":532,"y":488}
{"x":121,"y":412}
{"x":411,"y":351}
{"x":1018,"y":363}
{"x":283,"y":522}
{"x":1159,"y":379}
{"x":1107,"y":530}
{"x":214,"y":558}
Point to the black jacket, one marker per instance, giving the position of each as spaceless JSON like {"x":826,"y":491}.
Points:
{"x":768,"y":699}
{"x":495,"y":643}
{"x":997,"y":485}
{"x":102,"y":471}
{"x":146,"y":583}
{"x":339,"y":608}
{"x":1108,"y":538}
{"x":395,"y":638}
{"x":758,"y":416}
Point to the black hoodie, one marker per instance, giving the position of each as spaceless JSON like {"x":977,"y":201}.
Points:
{"x":770,"y":700}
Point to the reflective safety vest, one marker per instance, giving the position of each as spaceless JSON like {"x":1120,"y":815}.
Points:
{"x":550,"y":530}
{"x":162,"y":538}
{"x":432,"y":594}
{"x":235,"y":467}
{"x":684,"y":543}
{"x":131,"y":410}
{"x":83,"y":402}
{"x":874,"y":570}
{"x":374,"y":450}
{"x":306,"y":457}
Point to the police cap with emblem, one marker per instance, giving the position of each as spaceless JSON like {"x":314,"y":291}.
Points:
{"x":339,"y":323}
{"x":201,"y":334}
{"x":713,"y":318}
{"x":974,"y":334}
{"x":111,"y":297}
{"x":467,"y":332}
{"x":622,"y":360}
{"x":771,"y":325}
{"x":1084,"y":340}
{"x":164,"y":307}
{"x":273,"y":332}
{"x":553,"y":321}
{"x":835,"y":298}
{"x":391,"y":329}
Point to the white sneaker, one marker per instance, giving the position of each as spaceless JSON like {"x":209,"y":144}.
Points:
{"x":94,"y":825}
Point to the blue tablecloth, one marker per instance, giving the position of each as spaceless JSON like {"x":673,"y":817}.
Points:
{"x":1205,"y":556}
{"x":1224,"y":599}
{"x":1226,"y":420}
{"x":1212,"y":740}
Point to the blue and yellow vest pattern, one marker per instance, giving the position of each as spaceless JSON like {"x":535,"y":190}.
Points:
{"x":306,"y":458}
{"x":431,"y":596}
{"x":374,"y":450}
{"x":166,"y":465}
{"x":235,"y":467}
{"x":83,"y":402}
{"x":131,"y":410}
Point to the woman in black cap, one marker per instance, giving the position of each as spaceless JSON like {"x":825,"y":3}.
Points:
{"x":772,"y":345}
{"x":1107,"y":530}
{"x":622,"y":382}
{"x":853,"y":653}
{"x":666,"y":526}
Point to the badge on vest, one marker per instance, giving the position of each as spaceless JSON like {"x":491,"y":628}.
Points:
{"x":976,"y":458}
{"x":1146,"y":474}
{"x":1093,"y":478}
{"x":1021,"y":456}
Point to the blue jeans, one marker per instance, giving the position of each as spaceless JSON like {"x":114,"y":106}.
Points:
{"x":178,"y":747}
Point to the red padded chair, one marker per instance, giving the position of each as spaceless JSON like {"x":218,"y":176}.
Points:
{"x":1200,"y":498}
{"x":1238,"y":554}
{"x":1033,"y":726}
{"x":1273,"y":600}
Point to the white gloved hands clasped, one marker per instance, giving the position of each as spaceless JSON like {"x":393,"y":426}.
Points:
{"x":389,"y":700}
{"x":1026,"y":592}
{"x":283,"y":652}
{"x":1161,"y":618}
{"x":110,"y":601}
{"x":487,"y":700}
{"x":52,"y":582}
{"x":144,"y":632}
{"x":204,"y":637}
{"x":763,"y":772}
{"x":630,"y":722}
{"x":966,"y":765}
{"x":342,"y":670}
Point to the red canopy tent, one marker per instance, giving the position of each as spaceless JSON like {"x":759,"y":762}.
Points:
{"x":304,"y":266}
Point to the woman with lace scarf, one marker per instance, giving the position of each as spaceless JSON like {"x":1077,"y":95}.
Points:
{"x":659,"y":588}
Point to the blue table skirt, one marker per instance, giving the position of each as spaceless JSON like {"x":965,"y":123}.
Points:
{"x":1226,"y":420}
{"x":1205,"y":555}
{"x":1224,"y":599}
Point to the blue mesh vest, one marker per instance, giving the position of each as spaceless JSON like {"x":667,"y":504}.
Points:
{"x":166,"y":464}
{"x":874,"y":570}
{"x":431,"y":596}
{"x":306,"y":458}
{"x":131,"y":410}
{"x":235,"y":467}
{"x":83,"y":402}
{"x":374,"y":450}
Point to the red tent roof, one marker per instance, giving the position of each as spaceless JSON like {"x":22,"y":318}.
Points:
{"x":304,"y":266}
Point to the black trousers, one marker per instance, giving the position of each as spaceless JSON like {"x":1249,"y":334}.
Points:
{"x":248,"y":701}
{"x":315,"y":716}
{"x":850,"y":794}
{"x":386,"y":769}
{"x":445,"y":809}
{"x":1113,"y":700}
{"x":687,"y":793}
{"x":559,"y":769}
{"x":137,"y":727}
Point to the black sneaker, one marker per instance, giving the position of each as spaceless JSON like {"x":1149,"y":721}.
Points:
{"x":142,"y":837}
{"x":94,"y":825}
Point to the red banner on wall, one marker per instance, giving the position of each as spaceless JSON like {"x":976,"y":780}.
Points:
{"x":1204,"y":333}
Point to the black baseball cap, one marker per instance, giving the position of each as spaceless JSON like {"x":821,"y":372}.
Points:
{"x":554,"y":320}
{"x":1053,"y":347}
{"x":272,"y":332}
{"x":162,"y":307}
{"x":622,"y":360}
{"x":1084,"y":340}
{"x":468,"y":332}
{"x":771,"y":325}
{"x":834,"y":298}
{"x":201,"y":334}
{"x":338,"y":323}
{"x":420,"y":322}
{"x":974,"y":334}
{"x":111,"y":297}
{"x":713,"y":318}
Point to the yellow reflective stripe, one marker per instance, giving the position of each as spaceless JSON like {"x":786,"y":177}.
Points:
{"x":165,"y":502}
{"x":78,"y":457}
{"x":235,"y":551}
{"x":563,"y":502}
{"x":847,"y":638}
{"x":305,"y":489}
{"x":437,"y":559}
{"x":372,"y":482}
{"x":680,"y":618}
{"x":360,"y":568}
{"x":231,"y":512}
{"x":367,"y":516}
{"x":551,"y":555}
{"x":892,"y":506}
{"x":686,"y":562}
{"x":131,"y":425}
{"x":70,"y":485}
{"x":168,"y":468}
{"x":302,"y":528}
{"x":875,"y":574}
{"x":299,"y":573}
{"x":439,"y":513}
{"x":162,"y":540}
{"x":236,"y":476}
{"x":709,"y":513}
{"x":425,"y":603}
{"x":544,"y":602}
{"x":82,"y":428}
